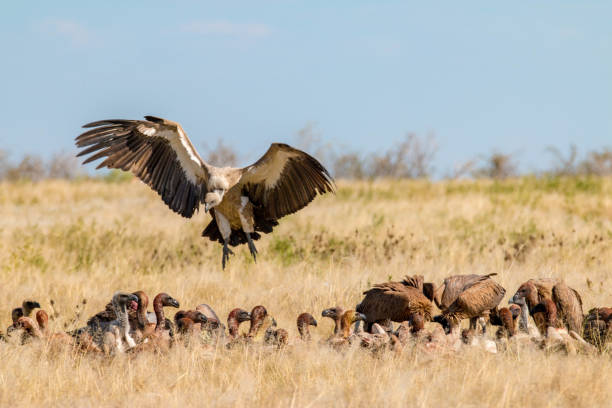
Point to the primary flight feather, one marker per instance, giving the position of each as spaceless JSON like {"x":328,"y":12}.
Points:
{"x":242,"y":201}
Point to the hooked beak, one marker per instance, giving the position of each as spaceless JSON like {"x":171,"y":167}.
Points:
{"x":174,"y":303}
{"x":516,"y":299}
{"x":360,"y":316}
{"x":326,"y":313}
{"x":314,"y":322}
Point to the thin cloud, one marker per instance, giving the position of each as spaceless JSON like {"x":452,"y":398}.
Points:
{"x":228,"y":29}
{"x":71,"y":30}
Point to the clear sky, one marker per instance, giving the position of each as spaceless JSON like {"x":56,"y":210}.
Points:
{"x":481,"y":75}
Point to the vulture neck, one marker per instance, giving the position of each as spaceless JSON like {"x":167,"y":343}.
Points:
{"x":158,"y":308}
{"x":303,"y":330}
{"x":345,"y":327}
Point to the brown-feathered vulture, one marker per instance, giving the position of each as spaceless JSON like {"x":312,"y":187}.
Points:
{"x":242,"y":201}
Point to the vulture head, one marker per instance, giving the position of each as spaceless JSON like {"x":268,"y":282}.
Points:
{"x":235,"y":317}
{"x":350,"y":316}
{"x":166,"y":300}
{"x":28,"y":306}
{"x":303,"y":321}
{"x":515,"y":310}
{"x":306,"y":319}
{"x":239,"y":315}
{"x":213,"y":199}
{"x":16,"y":314}
{"x":121,"y":299}
{"x":417,"y":323}
{"x":200,"y":317}
{"x":527,"y":292}
{"x":333,"y":313}
{"x":443,"y":321}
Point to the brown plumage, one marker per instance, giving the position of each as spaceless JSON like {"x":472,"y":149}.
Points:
{"x":30,"y":328}
{"x":276,"y":336}
{"x":334,"y":313}
{"x":567,"y":300}
{"x":598,"y":326}
{"x":159,"y":335}
{"x":258,"y":315}
{"x":187,"y":321}
{"x":396,"y":301}
{"x":234,"y":318}
{"x":303,"y":321}
{"x":453,"y":286}
{"x":508,"y":319}
{"x":475,"y":300}
{"x":26,"y":308}
{"x":42,"y":318}
{"x":346,"y":320}
{"x":242,"y":201}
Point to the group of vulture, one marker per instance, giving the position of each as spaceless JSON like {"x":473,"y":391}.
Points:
{"x":557,"y":321}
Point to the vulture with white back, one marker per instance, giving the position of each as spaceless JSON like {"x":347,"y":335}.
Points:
{"x":242,"y":201}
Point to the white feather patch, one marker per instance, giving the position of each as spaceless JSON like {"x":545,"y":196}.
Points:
{"x":188,"y":158}
{"x":223,"y":224}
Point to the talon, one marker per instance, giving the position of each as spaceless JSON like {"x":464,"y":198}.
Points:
{"x":252,"y":248}
{"x":226,"y":253}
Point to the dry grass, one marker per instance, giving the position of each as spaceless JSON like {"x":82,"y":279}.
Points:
{"x":84,"y":240}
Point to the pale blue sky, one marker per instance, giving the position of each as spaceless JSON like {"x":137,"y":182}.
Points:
{"x":481,"y":75}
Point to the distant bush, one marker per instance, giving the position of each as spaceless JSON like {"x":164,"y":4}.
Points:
{"x":34,"y":168}
{"x":497,"y":166}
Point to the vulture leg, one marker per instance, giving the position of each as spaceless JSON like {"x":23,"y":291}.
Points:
{"x":226,"y":232}
{"x":251,"y":246}
{"x":226,"y":253}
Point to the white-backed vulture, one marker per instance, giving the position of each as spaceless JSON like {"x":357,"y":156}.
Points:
{"x":451,"y":288}
{"x":213,"y":324}
{"x":24,"y":311}
{"x":566,"y":299}
{"x":342,"y":339}
{"x":395,"y":301}
{"x":234,"y":318}
{"x":159,"y":336}
{"x":275,"y":336}
{"x":243,"y":201}
{"x":476,"y":300}
{"x":598,"y":327}
{"x":303,"y":321}
{"x":188,"y":321}
{"x":334,"y":313}
{"x":114,"y":336}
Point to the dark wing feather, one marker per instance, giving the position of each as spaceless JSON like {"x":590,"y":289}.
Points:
{"x":157,"y":151}
{"x":283,"y":181}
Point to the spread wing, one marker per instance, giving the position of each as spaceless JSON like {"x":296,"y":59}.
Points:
{"x":284,"y":180}
{"x":157,"y":151}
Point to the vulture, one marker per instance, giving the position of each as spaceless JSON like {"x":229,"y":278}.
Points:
{"x":396,"y":301}
{"x":473,"y":301}
{"x":243,"y":202}
{"x":566,"y":299}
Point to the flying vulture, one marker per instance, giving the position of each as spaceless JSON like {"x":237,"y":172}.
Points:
{"x":242,"y":201}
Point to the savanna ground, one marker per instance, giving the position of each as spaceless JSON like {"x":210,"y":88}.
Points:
{"x":70,"y":241}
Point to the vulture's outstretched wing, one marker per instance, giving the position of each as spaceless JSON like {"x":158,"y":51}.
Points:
{"x":157,"y":151}
{"x":284,"y":180}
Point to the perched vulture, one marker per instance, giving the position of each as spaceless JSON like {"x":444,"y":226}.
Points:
{"x":242,"y":201}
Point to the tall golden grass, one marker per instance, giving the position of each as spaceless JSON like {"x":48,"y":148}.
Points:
{"x":69,"y":241}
